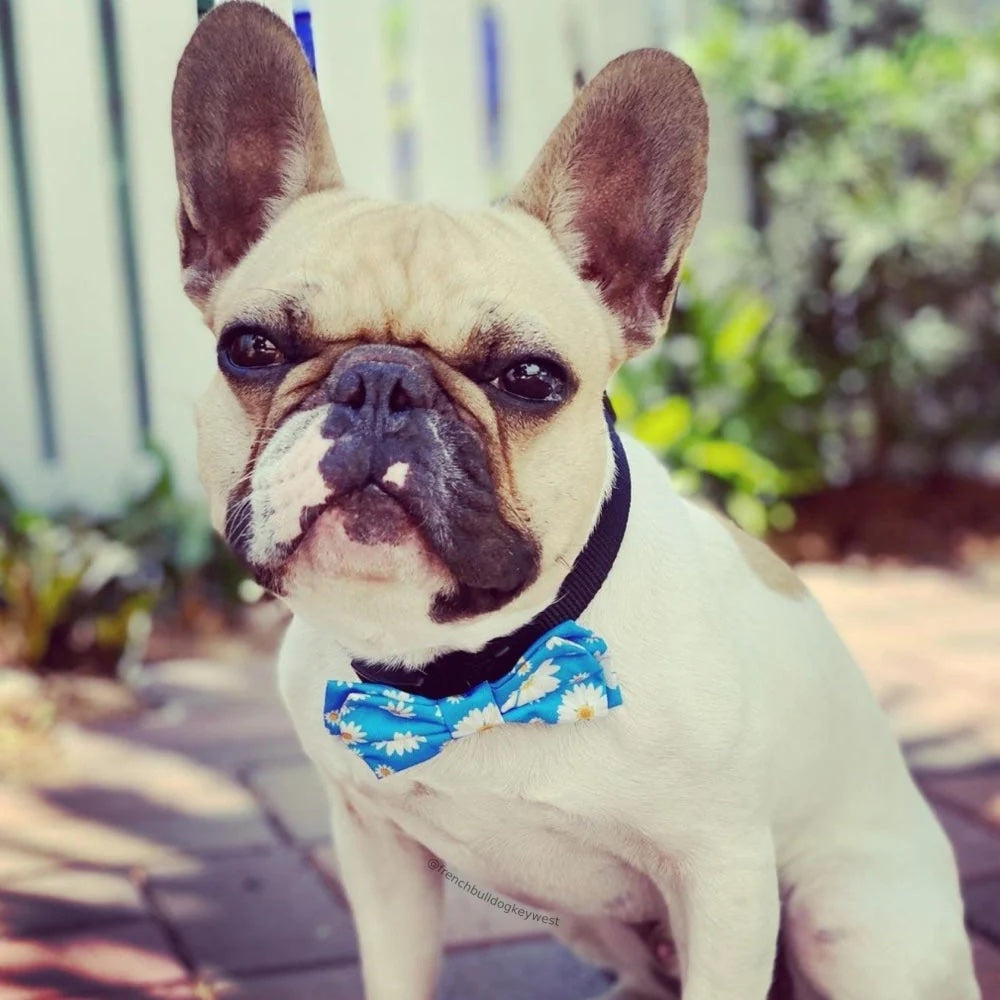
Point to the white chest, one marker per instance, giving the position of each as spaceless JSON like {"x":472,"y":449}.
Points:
{"x":530,"y":851}
{"x":522,"y":810}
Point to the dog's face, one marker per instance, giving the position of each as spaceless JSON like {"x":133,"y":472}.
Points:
{"x":406,"y":433}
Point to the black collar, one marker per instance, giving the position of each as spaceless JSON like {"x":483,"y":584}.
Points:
{"x":457,"y":672}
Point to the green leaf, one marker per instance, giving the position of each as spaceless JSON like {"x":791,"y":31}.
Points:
{"x":748,"y":512}
{"x":742,"y":329}
{"x":665,"y":424}
{"x":737,"y":463}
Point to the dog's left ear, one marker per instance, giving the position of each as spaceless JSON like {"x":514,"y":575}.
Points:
{"x":620,"y":183}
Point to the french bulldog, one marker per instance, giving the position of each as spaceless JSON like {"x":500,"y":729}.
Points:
{"x":407,"y":441}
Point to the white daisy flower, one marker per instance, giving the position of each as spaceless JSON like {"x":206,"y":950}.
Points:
{"x":397,"y":695}
{"x":453,"y":699}
{"x":536,"y":685}
{"x":332,"y":718}
{"x":477,"y":721}
{"x":523,"y":666}
{"x":583,"y":701}
{"x":577,"y":678}
{"x":401,"y":743}
{"x":351,"y":732}
{"x":383,"y":771}
{"x":556,"y":641}
{"x":400,"y":708}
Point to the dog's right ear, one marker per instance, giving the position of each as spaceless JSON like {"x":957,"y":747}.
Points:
{"x":249,"y":138}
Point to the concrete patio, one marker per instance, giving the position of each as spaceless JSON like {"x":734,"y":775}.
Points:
{"x":181,"y":853}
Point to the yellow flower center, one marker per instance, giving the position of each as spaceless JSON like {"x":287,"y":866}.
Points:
{"x":585,"y":712}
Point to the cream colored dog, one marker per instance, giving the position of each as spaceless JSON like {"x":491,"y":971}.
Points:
{"x":406,"y":441}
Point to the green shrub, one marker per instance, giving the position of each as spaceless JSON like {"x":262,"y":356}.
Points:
{"x":874,"y":149}
{"x":78,"y":594}
{"x":855,"y":331}
{"x":728,"y":405}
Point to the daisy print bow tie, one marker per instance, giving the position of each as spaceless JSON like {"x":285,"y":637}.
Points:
{"x":561,"y":678}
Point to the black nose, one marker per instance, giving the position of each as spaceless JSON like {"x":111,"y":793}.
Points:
{"x":384,"y":386}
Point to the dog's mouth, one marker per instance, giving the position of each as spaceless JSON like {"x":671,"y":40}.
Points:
{"x":369,"y":482}
{"x":382,"y":517}
{"x":370,"y":516}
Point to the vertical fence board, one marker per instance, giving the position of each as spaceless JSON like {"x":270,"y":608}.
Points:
{"x":607,"y":30}
{"x":179,"y":349}
{"x":536,"y":78}
{"x":449,"y":90}
{"x":66,"y":123}
{"x":350,"y":67}
{"x":283,"y":8}
{"x":68,"y":140}
{"x":21,"y":465}
{"x":727,"y":200}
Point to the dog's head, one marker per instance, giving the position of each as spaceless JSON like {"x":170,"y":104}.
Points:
{"x":405,"y":437}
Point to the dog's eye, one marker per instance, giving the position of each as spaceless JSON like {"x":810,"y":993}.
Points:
{"x":533,"y":379}
{"x":251,"y":349}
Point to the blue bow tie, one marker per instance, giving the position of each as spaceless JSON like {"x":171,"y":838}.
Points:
{"x":561,"y":678}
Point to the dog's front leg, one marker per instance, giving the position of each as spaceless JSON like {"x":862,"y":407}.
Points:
{"x":396,"y":901}
{"x":724,"y":913}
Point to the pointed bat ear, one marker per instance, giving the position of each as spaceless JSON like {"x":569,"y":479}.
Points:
{"x":249,"y":138}
{"x":620,"y":182}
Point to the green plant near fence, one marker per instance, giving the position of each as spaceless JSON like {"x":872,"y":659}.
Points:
{"x":856,"y":330}
{"x":874,"y":150}
{"x":728,"y":404}
{"x":78,"y":594}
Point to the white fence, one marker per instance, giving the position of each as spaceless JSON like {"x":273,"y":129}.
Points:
{"x":440,"y":99}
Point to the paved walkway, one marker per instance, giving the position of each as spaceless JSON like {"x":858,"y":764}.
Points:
{"x":182,"y":854}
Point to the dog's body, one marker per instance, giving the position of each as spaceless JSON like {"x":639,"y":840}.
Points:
{"x":752,"y":763}
{"x":407,"y":442}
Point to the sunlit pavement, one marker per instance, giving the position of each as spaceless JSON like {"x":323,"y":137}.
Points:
{"x":182,"y":854}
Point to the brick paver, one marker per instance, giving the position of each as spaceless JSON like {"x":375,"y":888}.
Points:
{"x":982,"y":903}
{"x":253,"y":912}
{"x":131,"y":959}
{"x":987,"y":959}
{"x":61,"y":899}
{"x":182,"y":854}
{"x":292,"y":793}
{"x":977,"y":793}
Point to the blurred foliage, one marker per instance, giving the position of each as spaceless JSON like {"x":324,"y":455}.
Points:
{"x":868,"y":287}
{"x":78,"y":594}
{"x":724,"y":394}
{"x":855,"y":329}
